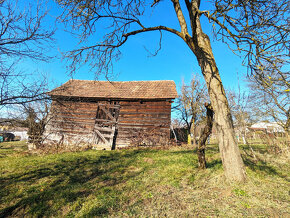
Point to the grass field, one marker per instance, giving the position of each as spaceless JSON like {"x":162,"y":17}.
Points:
{"x":144,"y":182}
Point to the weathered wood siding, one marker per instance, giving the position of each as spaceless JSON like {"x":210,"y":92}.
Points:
{"x":75,"y":119}
{"x":149,"y":118}
{"x":71,"y":122}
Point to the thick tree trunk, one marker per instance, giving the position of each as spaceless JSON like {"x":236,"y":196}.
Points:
{"x":203,"y":137}
{"x":230,"y":154}
{"x":199,"y":43}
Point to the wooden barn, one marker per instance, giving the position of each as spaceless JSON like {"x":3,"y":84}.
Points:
{"x":111,"y":114}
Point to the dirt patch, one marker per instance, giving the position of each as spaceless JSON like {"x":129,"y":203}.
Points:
{"x":148,"y":160}
{"x":134,"y":169}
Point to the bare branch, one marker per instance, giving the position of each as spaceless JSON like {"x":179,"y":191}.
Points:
{"x":258,"y":30}
{"x":180,"y":17}
{"x":272,"y":96}
{"x":22,"y":35}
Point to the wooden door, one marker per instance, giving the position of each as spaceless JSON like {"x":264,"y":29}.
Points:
{"x":106,"y":121}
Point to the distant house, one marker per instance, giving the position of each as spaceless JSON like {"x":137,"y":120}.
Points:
{"x":20,"y":132}
{"x":110,"y":114}
{"x":268,"y":127}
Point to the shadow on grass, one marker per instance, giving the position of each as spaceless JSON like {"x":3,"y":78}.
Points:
{"x":189,"y":151}
{"x":5,"y":147}
{"x":210,"y":150}
{"x":214,"y":164}
{"x":260,"y":148}
{"x":262,"y":167}
{"x":259,"y":167}
{"x":67,"y":181}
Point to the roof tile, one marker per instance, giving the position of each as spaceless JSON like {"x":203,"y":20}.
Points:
{"x":162,"y":89}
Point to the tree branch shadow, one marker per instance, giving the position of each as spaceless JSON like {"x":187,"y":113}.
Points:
{"x":68,"y":176}
{"x":263,"y":167}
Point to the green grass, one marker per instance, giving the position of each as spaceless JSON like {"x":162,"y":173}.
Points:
{"x":144,"y":182}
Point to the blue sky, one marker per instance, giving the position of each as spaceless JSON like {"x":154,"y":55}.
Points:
{"x":174,"y":62}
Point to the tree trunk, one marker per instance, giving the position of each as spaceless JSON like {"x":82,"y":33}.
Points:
{"x":193,"y":139}
{"x":230,"y":154}
{"x":203,"y":137}
{"x":199,"y":43}
{"x":201,"y":157}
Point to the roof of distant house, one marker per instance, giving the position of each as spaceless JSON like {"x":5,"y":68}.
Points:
{"x":267,"y":125}
{"x":162,"y":89}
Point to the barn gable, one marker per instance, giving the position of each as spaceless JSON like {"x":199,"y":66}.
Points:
{"x":110,"y":114}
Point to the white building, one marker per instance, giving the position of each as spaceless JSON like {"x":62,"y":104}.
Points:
{"x":268,"y":127}
{"x":22,"y":134}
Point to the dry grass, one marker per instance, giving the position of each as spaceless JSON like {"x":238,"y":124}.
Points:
{"x":139,"y":182}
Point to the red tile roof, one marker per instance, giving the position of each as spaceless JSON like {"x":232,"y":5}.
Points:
{"x":163,"y":89}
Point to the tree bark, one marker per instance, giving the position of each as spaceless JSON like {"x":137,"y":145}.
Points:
{"x":228,"y":146}
{"x":199,"y":43}
{"x":192,"y":132}
{"x":230,"y":154}
{"x":204,"y":135}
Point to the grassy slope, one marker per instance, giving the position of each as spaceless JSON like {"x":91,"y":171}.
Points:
{"x":138,"y":182}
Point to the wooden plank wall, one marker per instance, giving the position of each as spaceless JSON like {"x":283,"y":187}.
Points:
{"x":149,"y":118}
{"x":74,"y":117}
{"x":77,"y":118}
{"x":71,"y":121}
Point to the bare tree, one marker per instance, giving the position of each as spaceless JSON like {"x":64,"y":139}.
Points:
{"x":23,"y":35}
{"x":190,"y":104}
{"x":272,"y":95}
{"x":242,"y":108}
{"x":36,"y":119}
{"x":258,"y":29}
